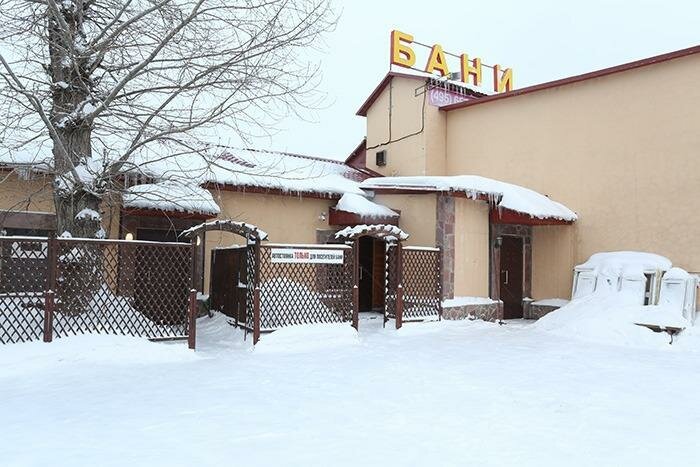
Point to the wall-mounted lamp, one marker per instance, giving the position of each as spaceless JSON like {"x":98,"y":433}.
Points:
{"x":129,"y":236}
{"x":499,"y":242}
{"x":199,"y":240}
{"x":322,"y":217}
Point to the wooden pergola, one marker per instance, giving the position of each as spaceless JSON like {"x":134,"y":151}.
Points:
{"x":248,"y":231}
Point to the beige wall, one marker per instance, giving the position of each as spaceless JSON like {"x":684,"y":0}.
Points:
{"x":286,"y":219}
{"x":399,"y":104}
{"x":621,"y":150}
{"x":418,"y":216}
{"x":471,"y":248}
{"x":19,"y":194}
{"x":552,"y":259}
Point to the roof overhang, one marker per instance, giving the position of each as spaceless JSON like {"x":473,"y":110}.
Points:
{"x":342,"y":218}
{"x":270,"y":191}
{"x":141,"y":212}
{"x":507,"y":216}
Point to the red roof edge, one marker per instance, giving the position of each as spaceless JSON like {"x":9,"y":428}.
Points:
{"x":357,"y":152}
{"x":362,"y":111}
{"x":575,"y":79}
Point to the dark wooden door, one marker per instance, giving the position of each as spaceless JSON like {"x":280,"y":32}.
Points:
{"x":227,"y":286}
{"x":511,"y":278}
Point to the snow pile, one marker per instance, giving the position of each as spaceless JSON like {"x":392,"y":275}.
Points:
{"x":357,"y":204}
{"x":606,"y":317}
{"x":502,"y":194}
{"x":171,"y":196}
{"x":392,"y":232}
{"x":464,"y":301}
{"x":618,"y":261}
{"x":308,"y":338}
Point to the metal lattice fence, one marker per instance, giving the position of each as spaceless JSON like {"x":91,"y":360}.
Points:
{"x":391,"y":281}
{"x":57,"y":287}
{"x":421,"y":283}
{"x":23,"y":279}
{"x":303,"y":291}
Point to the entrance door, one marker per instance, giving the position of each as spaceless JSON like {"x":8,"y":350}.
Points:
{"x":372,"y":270}
{"x":227,"y":284}
{"x":512,"y":277}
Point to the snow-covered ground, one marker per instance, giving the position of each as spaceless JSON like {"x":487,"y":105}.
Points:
{"x":442,"y":393}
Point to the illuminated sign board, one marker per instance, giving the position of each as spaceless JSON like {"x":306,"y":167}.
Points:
{"x":403,"y":54}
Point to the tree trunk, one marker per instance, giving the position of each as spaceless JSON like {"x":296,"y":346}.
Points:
{"x":70,"y":69}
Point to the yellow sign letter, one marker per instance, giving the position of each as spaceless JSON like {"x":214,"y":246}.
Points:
{"x":473,"y":70}
{"x":402,"y":54}
{"x":437,"y":61}
{"x":502,"y":81}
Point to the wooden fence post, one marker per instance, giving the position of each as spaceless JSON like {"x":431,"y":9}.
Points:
{"x":356,"y":285}
{"x":256,"y":295}
{"x":399,"y":287}
{"x":439,"y":282}
{"x":50,"y":292}
{"x":192,"y":320}
{"x":48,"y":315}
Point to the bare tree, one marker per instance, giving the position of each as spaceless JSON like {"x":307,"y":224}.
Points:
{"x":105,"y":82}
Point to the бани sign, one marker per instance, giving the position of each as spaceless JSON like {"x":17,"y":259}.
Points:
{"x":471,"y":69}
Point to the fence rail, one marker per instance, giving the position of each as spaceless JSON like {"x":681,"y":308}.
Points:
{"x":54,"y":287}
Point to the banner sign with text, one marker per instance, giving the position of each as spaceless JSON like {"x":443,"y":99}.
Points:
{"x":303,"y":255}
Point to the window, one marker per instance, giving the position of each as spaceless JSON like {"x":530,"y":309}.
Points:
{"x":381,"y":158}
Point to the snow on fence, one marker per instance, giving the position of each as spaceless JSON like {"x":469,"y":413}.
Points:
{"x":54,"y":287}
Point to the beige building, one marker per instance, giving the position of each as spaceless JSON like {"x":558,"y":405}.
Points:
{"x":516,"y":188}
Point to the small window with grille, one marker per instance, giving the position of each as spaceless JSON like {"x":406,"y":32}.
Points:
{"x":381,"y":158}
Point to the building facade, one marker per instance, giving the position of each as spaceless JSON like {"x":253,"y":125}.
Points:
{"x":515,"y":188}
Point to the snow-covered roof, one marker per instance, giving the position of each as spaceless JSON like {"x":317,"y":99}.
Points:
{"x":502,"y":194}
{"x":171,"y":196}
{"x":289,"y":173}
{"x":212,"y":164}
{"x":357,"y":204}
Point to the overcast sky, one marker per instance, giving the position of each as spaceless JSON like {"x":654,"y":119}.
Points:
{"x":540,"y":40}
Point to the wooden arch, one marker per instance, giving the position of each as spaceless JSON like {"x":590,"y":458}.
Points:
{"x":247,"y":231}
{"x":380,"y":231}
